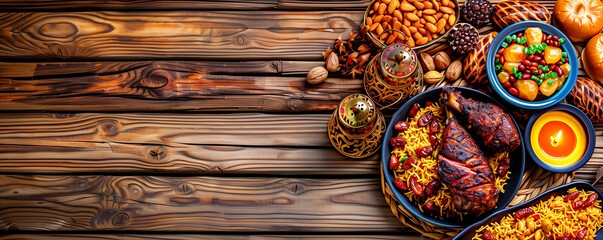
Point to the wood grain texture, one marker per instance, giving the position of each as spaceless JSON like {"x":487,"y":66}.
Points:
{"x":67,"y":203}
{"x":159,"y":236}
{"x":169,"y":86}
{"x":223,"y":35}
{"x":173,"y":143}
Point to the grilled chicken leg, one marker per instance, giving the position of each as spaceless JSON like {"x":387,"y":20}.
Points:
{"x":463,"y":166}
{"x":489,"y":121}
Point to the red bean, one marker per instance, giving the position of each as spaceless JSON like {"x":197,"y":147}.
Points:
{"x":581,"y":234}
{"x":555,"y":38}
{"x":534,"y":64}
{"x":539,"y":71}
{"x":526,"y":76}
{"x":429,"y":206}
{"x":502,"y":59}
{"x":590,"y":199}
{"x":512,"y":79}
{"x":393,"y":162}
{"x":414,"y":110}
{"x":542,"y":62}
{"x":425,"y":119}
{"x":416,"y":186}
{"x":434,"y":127}
{"x":407,"y":164}
{"x":433,"y":139}
{"x":537,"y":59}
{"x":424,"y":151}
{"x":543,"y":37}
{"x":530,"y":57}
{"x":532,"y":69}
{"x":401,"y":126}
{"x":557,"y":44}
{"x":523,"y":213}
{"x":506,"y":84}
{"x":549,"y":37}
{"x":488,"y":235}
{"x":526,"y":62}
{"x":522,"y":67}
{"x":519,"y":35}
{"x":559,"y":63}
{"x":577,"y":204}
{"x":527,"y":71}
{"x":559,"y":71}
{"x":571,"y":196}
{"x":432,"y":187}
{"x":501,"y":50}
{"x":398,"y":142}
{"x":497,"y":56}
{"x":513,"y":91}
{"x":400,"y":184}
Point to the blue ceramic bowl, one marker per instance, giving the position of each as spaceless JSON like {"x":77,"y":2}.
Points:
{"x":433,"y":95}
{"x":469,"y":232}
{"x":586,"y":124}
{"x":551,"y":100}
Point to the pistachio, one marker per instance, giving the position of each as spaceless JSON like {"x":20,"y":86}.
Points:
{"x":427,"y":62}
{"x":442,"y":60}
{"x":432,"y":77}
{"x":332,"y":62}
{"x":454,"y":70}
{"x":317,"y":75}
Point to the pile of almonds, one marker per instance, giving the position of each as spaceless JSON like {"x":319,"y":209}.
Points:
{"x":440,"y":70}
{"x":420,"y":20}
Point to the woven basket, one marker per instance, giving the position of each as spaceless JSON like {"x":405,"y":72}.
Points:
{"x":535,"y":181}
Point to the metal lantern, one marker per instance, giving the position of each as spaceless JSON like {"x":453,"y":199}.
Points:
{"x":356,"y":127}
{"x":393,"y":75}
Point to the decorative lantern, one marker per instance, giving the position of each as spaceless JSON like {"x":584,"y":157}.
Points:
{"x":393,"y":75}
{"x":356,"y":127}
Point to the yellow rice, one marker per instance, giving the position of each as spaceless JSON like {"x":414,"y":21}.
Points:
{"x":564,"y":219}
{"x":426,"y":168}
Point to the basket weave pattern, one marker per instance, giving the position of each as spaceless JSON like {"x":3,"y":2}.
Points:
{"x":535,"y":181}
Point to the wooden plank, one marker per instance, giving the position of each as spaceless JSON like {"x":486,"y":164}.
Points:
{"x":35,"y":70}
{"x":91,"y":5}
{"x":173,"y":143}
{"x":127,"y":203}
{"x":221,"y":35}
{"x":160,"y":236}
{"x":168,"y":86}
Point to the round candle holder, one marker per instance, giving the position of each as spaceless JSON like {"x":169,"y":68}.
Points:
{"x":589,"y":132}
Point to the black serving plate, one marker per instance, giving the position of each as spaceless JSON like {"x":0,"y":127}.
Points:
{"x":516,"y":168}
{"x":469,"y":232}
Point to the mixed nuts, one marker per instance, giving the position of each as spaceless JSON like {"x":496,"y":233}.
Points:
{"x":440,"y":71}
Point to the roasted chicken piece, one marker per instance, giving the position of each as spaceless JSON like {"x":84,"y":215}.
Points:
{"x":490,"y":122}
{"x":463,"y":166}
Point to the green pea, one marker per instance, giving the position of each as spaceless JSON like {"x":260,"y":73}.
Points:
{"x":564,"y":54}
{"x":563,"y":60}
{"x":554,"y":75}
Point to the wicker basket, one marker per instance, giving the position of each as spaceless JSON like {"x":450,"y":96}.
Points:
{"x":534,"y":182}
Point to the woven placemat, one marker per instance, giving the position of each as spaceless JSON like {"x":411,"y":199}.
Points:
{"x":535,"y":181}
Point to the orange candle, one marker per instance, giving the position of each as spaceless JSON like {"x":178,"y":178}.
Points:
{"x":558,"y":139}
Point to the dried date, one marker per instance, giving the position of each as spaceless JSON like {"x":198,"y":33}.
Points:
{"x":407,"y":164}
{"x":400,"y":184}
{"x":424,"y":151}
{"x":398,"y":142}
{"x":425,"y":119}
{"x":523,"y":213}
{"x":430,"y":206}
{"x":414,"y":110}
{"x":401,"y":126}
{"x":571,"y":196}
{"x":488,"y":235}
{"x":590,"y":199}
{"x":434,"y":127}
{"x":417,"y":188}
{"x":393,"y":162}
{"x":503,"y":166}
{"x":432,"y":187}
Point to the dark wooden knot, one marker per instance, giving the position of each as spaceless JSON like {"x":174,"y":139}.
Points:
{"x":58,"y":29}
{"x":121,"y":219}
{"x":108,"y":128}
{"x":240,"y":40}
{"x":157,"y":152}
{"x":156,"y":79}
{"x":61,"y":115}
{"x":59,"y":50}
{"x":185,"y":188}
{"x":81,"y":184}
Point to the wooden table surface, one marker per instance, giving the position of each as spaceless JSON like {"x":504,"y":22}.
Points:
{"x":182,"y":119}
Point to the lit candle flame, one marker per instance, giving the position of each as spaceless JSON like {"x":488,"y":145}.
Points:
{"x":556,"y":139}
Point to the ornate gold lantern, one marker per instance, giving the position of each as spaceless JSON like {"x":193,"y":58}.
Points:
{"x":356,"y":127}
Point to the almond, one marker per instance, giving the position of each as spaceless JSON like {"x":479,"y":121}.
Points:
{"x":412,"y":29}
{"x":430,"y":19}
{"x":407,"y":7}
{"x":422,"y":31}
{"x":419,"y":5}
{"x":317,"y":75}
{"x":432,"y":77}
{"x":431,"y":28}
{"x":436,"y":5}
{"x":397,"y":14}
{"x":332,"y":62}
{"x":422,"y":41}
{"x":429,"y":11}
{"x":381,"y":9}
{"x":451,"y":20}
{"x":447,"y":10}
{"x":412,"y":17}
{"x":445,"y":2}
{"x":427,"y":62}
{"x":440,"y":25}
{"x":410,"y":41}
{"x":405,"y":30}
{"x":393,"y":6}
{"x":428,"y":5}
{"x":454,"y":70}
{"x":442,"y":60}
